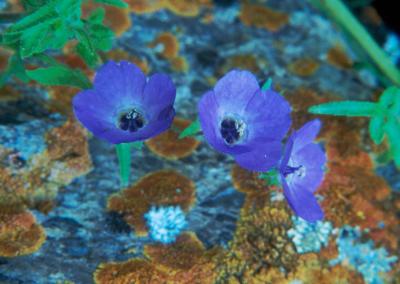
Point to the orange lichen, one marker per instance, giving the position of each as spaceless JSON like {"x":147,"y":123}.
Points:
{"x":338,"y":57}
{"x":117,"y":19}
{"x":146,"y":6}
{"x":179,"y":64}
{"x":160,"y":188}
{"x":246,"y":181}
{"x":68,"y":144}
{"x":169,"y":146}
{"x":187,"y":8}
{"x":312,"y":270}
{"x":304,"y":67}
{"x":242,"y":61}
{"x":131,"y":271}
{"x":181,"y":255}
{"x":19,"y":233}
{"x":263,"y":17}
{"x":61,"y":98}
{"x":260,"y":244}
{"x":120,"y":54}
{"x":169,"y":43}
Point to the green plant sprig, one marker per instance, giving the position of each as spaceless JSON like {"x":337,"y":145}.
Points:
{"x":384,"y":117}
{"x":49,"y":25}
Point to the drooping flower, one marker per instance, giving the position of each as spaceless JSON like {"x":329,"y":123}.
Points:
{"x":240,"y":119}
{"x":302,"y":170}
{"x":165,"y":223}
{"x":123,"y":106}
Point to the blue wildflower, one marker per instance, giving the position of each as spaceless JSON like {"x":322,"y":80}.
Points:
{"x":364,"y":257}
{"x":165,"y":223}
{"x":301,"y":171}
{"x":309,"y":237}
{"x":240,"y":119}
{"x":123,"y":106}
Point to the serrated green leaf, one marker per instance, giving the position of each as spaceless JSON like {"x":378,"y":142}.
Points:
{"x":116,"y":3}
{"x":86,"y":49}
{"x":376,"y":128}
{"x":392,"y":129}
{"x":59,"y":76}
{"x":389,"y":96}
{"x":191,"y":130}
{"x":41,"y":15}
{"x":97,"y":16}
{"x":346,"y":108}
{"x":36,"y":40}
{"x":101,"y":36}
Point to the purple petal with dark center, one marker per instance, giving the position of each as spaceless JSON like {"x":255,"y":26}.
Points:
{"x":268,"y":116}
{"x":234,"y":90}
{"x":210,"y":117}
{"x":302,"y":202}
{"x":262,"y":157}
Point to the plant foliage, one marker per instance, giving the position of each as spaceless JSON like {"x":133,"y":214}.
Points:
{"x":48,"y":26}
{"x":384,"y":117}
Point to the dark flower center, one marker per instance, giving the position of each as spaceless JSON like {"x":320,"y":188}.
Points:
{"x":131,"y":121}
{"x":232,"y":130}
{"x":300,"y":171}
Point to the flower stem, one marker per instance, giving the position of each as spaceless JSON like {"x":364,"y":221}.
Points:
{"x":124,"y":160}
{"x":345,"y":18}
{"x":346,"y":108}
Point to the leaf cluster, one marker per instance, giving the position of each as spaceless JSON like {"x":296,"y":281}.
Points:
{"x":384,"y":117}
{"x":49,"y":25}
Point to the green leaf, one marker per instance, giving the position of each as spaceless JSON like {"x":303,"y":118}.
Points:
{"x":191,"y":130}
{"x":41,"y":15}
{"x":271,"y":177}
{"x":389,"y":96}
{"x":346,"y":108}
{"x":36,"y":39}
{"x":376,"y":128}
{"x":59,"y":76}
{"x":97,"y":16}
{"x":138,"y":145}
{"x":392,"y":129}
{"x":124,"y":160}
{"x":267,"y":85}
{"x":101,"y":36}
{"x":116,"y":3}
{"x":86,"y":49}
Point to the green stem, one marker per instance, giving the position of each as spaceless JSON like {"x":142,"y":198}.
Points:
{"x":345,"y":18}
{"x":124,"y":160}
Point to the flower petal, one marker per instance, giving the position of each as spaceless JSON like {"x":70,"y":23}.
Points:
{"x":93,"y":112}
{"x":313,"y":159}
{"x":302,"y":202}
{"x":208,"y":109}
{"x":268,"y":115}
{"x":121,"y":84}
{"x":159,"y":93}
{"x":262,"y":157}
{"x":306,"y":134}
{"x":235,"y":89}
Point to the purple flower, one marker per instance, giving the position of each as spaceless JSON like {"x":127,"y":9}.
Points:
{"x":302,"y":171}
{"x":240,"y":119}
{"x":123,"y":106}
